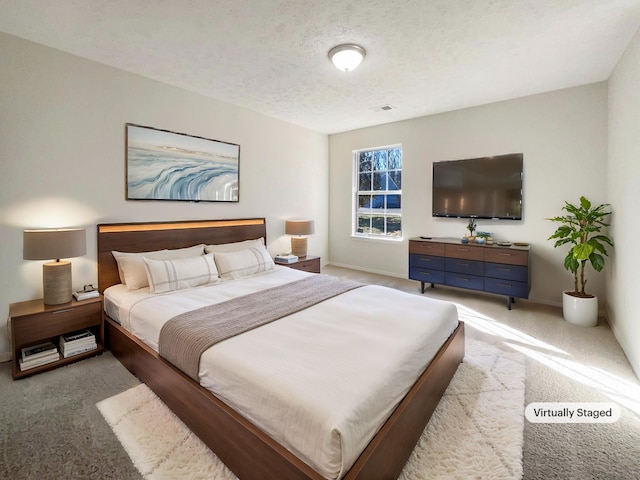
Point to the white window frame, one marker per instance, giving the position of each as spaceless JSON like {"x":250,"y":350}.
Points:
{"x":384,"y":212}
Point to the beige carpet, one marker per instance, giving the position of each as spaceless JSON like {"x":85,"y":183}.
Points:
{"x":476,"y":431}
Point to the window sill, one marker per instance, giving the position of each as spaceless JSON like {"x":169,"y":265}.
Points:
{"x":378,"y":239}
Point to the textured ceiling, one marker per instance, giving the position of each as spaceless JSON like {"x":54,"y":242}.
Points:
{"x":423,"y":56}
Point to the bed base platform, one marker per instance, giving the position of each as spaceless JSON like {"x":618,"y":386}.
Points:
{"x":253,"y":455}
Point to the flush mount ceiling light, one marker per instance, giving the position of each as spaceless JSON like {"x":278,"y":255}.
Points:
{"x":347,"y":57}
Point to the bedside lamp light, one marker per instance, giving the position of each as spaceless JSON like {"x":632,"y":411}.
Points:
{"x":55,"y":244}
{"x":299,"y":228}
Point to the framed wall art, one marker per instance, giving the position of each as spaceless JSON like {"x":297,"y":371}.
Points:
{"x":164,"y":165}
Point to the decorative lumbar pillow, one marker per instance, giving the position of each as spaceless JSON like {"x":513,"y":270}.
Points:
{"x":234,"y":246}
{"x":179,"y":273}
{"x":131,"y":265}
{"x":243,"y":263}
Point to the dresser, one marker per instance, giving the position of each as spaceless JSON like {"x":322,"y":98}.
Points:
{"x":488,"y":268}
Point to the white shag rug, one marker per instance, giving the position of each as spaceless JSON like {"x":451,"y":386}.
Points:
{"x":476,"y":431}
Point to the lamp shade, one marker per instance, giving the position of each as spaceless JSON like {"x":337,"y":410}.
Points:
{"x":54,"y":243}
{"x":299,"y":227}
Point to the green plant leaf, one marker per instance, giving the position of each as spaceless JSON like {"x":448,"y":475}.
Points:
{"x":570,"y":263}
{"x":597,"y":262}
{"x":582,"y":251}
{"x":584,"y":203}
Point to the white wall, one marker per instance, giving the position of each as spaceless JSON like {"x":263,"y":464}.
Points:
{"x":563,"y":136}
{"x":623,"y":183}
{"x":62,"y":154}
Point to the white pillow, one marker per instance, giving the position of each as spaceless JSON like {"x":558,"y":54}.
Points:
{"x":234,"y":246}
{"x":179,"y":273}
{"x":127,"y":263}
{"x":131,"y":265}
{"x":243,"y":263}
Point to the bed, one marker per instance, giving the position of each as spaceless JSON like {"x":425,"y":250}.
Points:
{"x":245,"y":444}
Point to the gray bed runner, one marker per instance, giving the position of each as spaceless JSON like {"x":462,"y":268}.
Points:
{"x":185,"y":337}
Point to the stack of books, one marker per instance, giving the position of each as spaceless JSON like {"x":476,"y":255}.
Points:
{"x":37,"y":355}
{"x":286,"y":258}
{"x":77,"y":342}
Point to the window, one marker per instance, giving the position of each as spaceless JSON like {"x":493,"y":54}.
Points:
{"x":378,"y":197}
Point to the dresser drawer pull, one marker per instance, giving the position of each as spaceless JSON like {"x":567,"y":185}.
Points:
{"x":62,"y":311}
{"x":463,"y":264}
{"x":463,"y":249}
{"x":508,"y":285}
{"x":504,"y":269}
{"x":504,"y":254}
{"x":462,"y":279}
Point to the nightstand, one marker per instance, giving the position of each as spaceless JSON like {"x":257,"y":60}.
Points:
{"x":32,"y":322}
{"x":308,"y":264}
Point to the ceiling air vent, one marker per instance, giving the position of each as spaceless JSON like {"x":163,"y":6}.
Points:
{"x":383,"y":108}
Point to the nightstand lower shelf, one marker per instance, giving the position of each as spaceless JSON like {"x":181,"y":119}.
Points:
{"x":17,"y":373}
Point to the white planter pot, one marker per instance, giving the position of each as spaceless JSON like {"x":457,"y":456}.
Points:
{"x":580,"y":311}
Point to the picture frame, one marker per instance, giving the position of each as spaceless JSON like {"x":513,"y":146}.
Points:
{"x":172,"y":166}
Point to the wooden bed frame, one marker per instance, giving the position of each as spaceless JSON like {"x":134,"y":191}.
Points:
{"x":244,"y":448}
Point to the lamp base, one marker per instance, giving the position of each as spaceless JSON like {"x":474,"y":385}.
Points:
{"x":56,"y":282}
{"x":299,"y":246}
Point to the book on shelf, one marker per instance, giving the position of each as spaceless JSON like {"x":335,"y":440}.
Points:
{"x":77,"y":342}
{"x":70,"y":352}
{"x":82,"y":295}
{"x":286,"y":258}
{"x":38,"y":351}
{"x":36,"y":362}
{"x":76,"y":336}
{"x":66,"y":349}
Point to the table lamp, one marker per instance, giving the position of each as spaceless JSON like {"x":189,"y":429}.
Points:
{"x":55,"y":244}
{"x":299,"y":242}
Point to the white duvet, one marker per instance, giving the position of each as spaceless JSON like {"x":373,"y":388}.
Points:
{"x":322,"y":381}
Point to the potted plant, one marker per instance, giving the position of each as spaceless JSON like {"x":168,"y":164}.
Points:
{"x":471,"y":226}
{"x":581,"y":228}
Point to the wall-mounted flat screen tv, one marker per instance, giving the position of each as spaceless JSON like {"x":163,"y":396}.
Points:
{"x":486,"y":187}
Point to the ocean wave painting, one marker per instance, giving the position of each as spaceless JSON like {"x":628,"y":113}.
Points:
{"x":164,"y":165}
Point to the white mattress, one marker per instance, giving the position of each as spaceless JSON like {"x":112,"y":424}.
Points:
{"x":322,"y":381}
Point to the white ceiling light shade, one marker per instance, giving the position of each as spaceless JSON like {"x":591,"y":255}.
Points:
{"x":347,"y":57}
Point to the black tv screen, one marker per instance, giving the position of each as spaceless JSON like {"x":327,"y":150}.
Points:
{"x":487,"y":187}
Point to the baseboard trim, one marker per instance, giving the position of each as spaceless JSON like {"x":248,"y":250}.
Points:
{"x":368,"y":270}
{"x":5,"y":357}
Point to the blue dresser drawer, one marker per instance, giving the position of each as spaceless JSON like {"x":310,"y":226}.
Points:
{"x":507,"y":272}
{"x":427,"y":276}
{"x":426,"y":261}
{"x":459,"y":265}
{"x":464,"y":281}
{"x":506,"y":287}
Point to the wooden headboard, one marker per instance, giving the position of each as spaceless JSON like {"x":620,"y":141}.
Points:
{"x":142,"y":237}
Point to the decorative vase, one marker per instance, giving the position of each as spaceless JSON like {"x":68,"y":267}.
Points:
{"x":580,"y":311}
